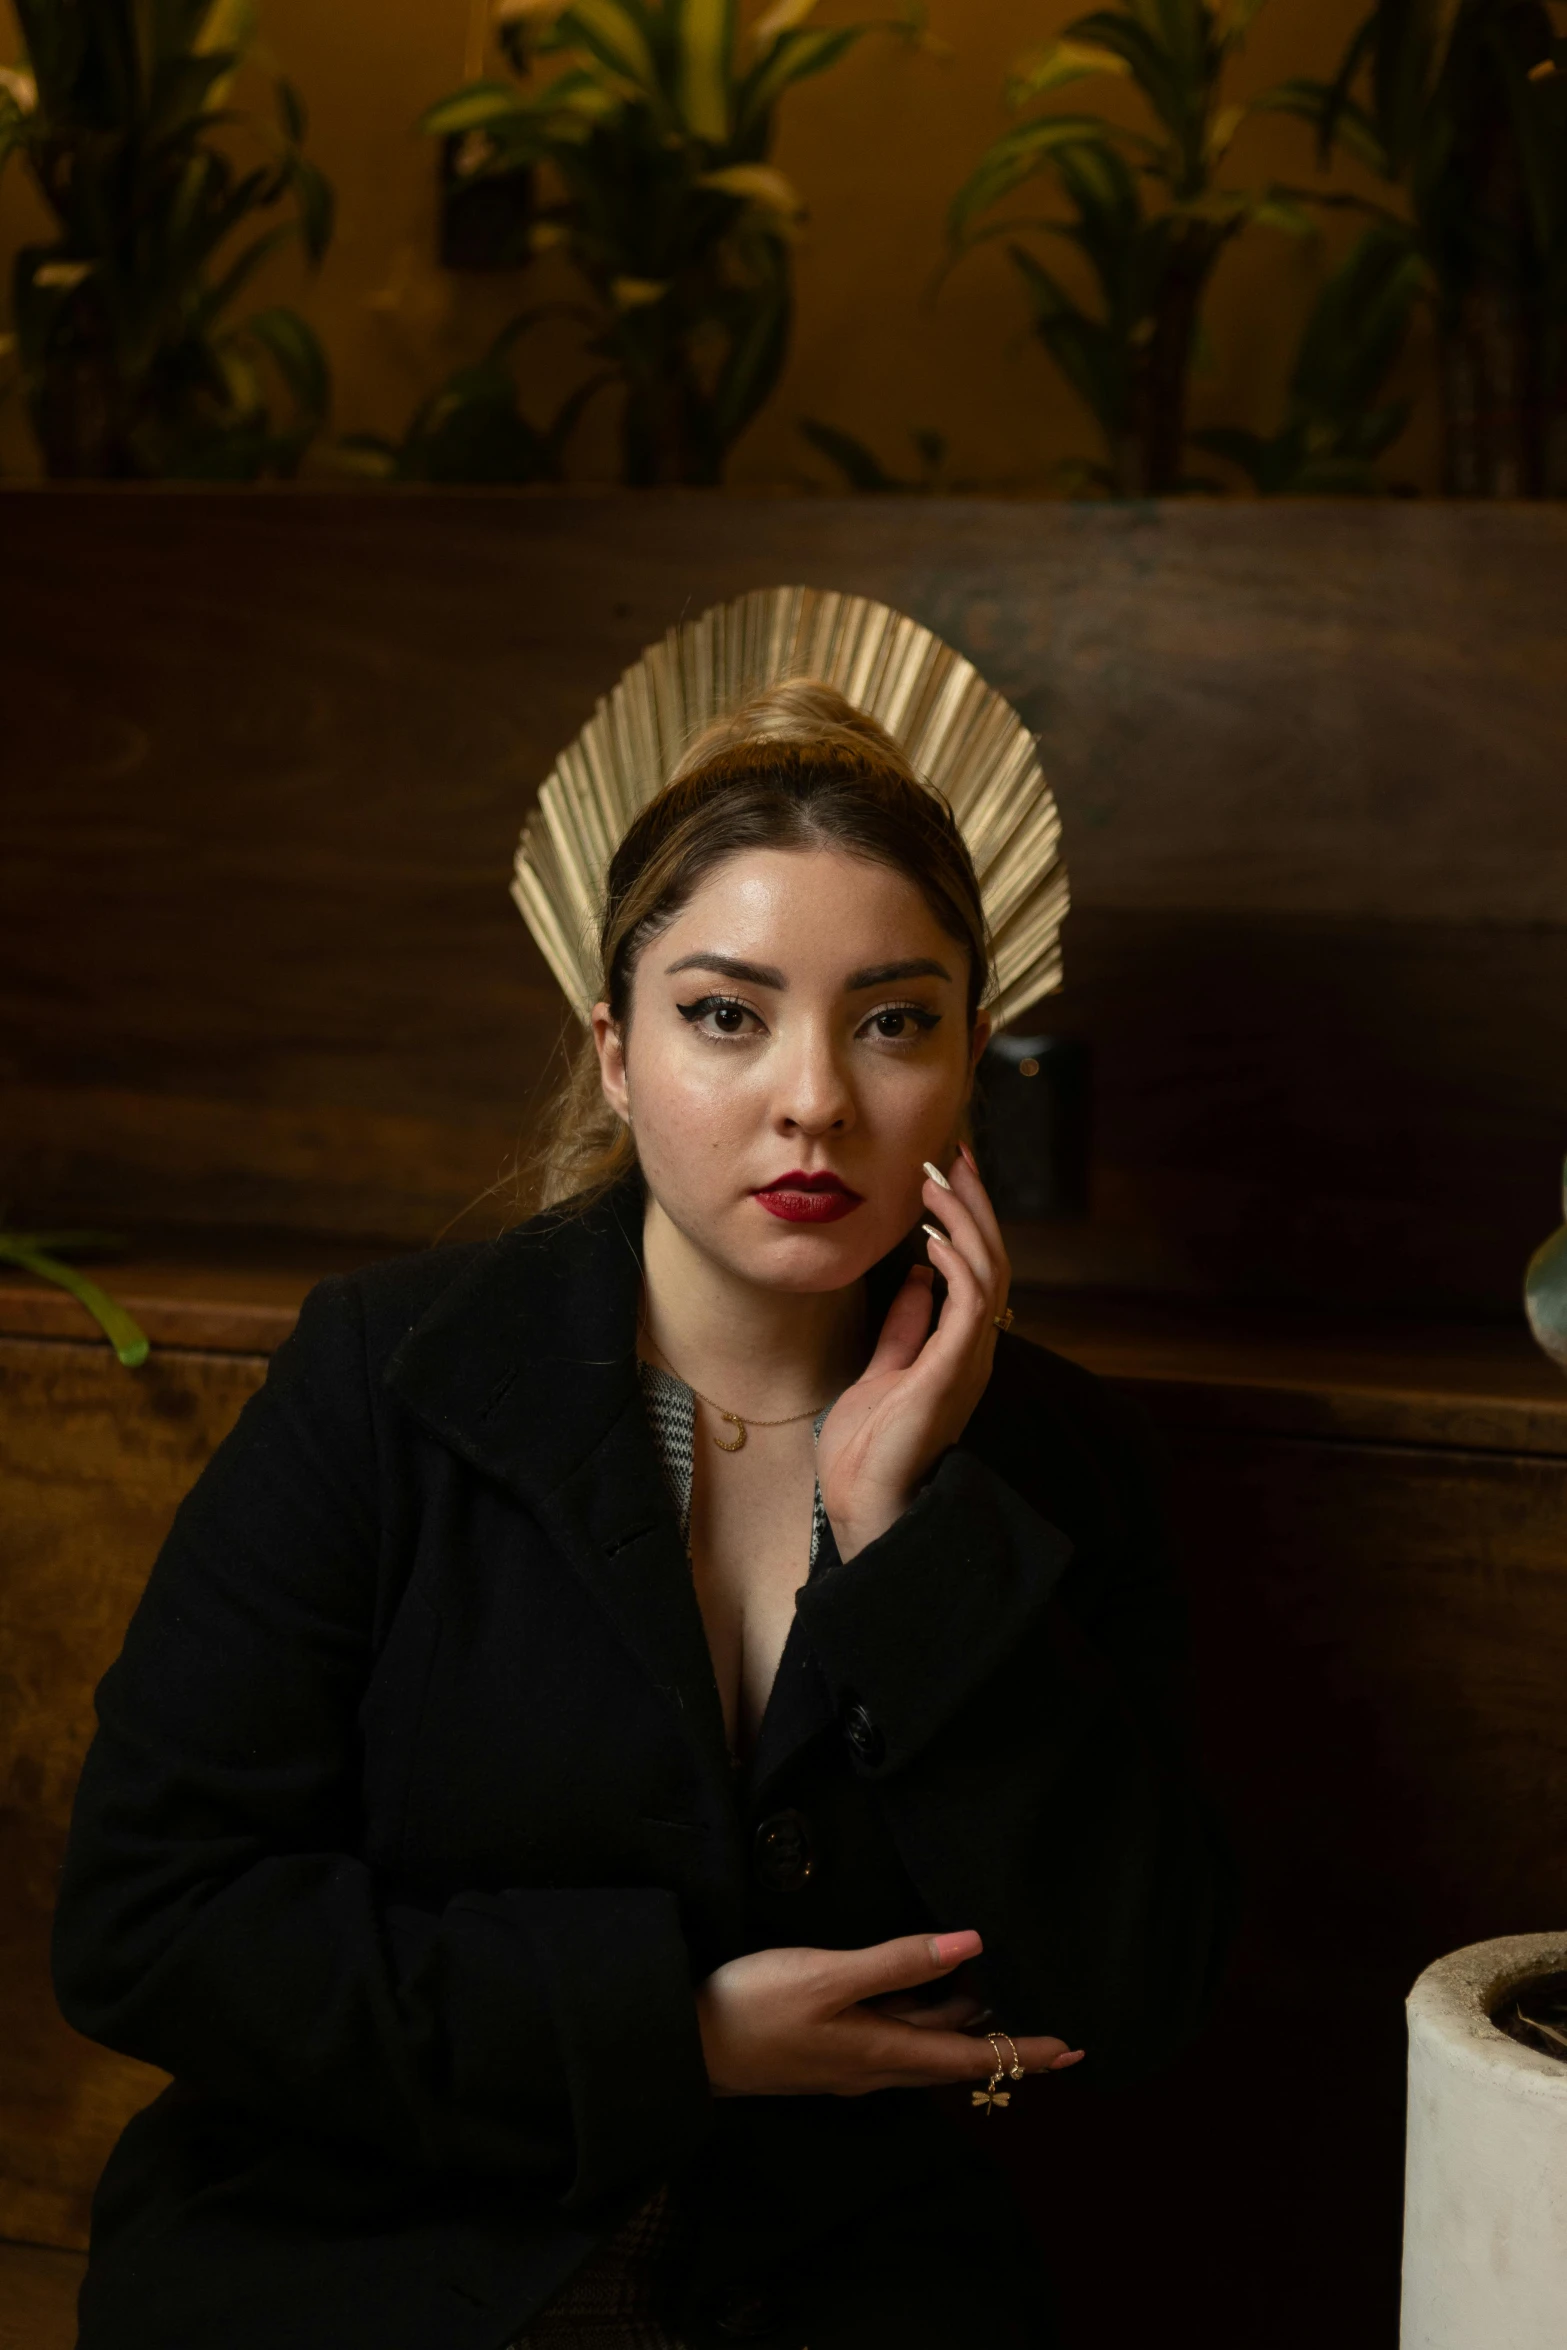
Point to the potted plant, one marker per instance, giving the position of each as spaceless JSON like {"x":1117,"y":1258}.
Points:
{"x":1337,"y":421}
{"x":1149,"y":210}
{"x":1485,"y":2215}
{"x":1462,"y":109}
{"x":132,"y":361}
{"x":652,"y":146}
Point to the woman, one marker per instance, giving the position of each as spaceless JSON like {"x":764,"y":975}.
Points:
{"x":631,"y":1701}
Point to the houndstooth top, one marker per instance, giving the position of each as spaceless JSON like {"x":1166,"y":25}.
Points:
{"x":671,"y":1411}
{"x":614,"y":2300}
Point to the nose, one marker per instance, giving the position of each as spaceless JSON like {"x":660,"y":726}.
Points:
{"x":814,"y":1096}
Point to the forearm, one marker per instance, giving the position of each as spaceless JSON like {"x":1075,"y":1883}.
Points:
{"x":546,"y":2034}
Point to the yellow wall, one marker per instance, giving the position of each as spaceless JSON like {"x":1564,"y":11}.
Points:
{"x":876,"y":148}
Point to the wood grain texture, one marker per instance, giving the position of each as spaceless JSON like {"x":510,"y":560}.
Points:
{"x":92,"y":1463}
{"x":38,"y":2290}
{"x":267,"y":756}
{"x":242,"y":1304}
{"x":1477,"y":1386}
{"x":1382,"y":1641}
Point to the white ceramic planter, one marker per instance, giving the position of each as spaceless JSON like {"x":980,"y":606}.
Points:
{"x":1485,"y":2191}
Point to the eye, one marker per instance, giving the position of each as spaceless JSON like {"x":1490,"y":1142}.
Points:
{"x":900,"y":1023}
{"x":718,"y":1015}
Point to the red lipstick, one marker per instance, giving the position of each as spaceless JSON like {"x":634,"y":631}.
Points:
{"x":808,"y":1199}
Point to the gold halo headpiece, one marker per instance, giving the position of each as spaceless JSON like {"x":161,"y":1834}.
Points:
{"x":958,"y":734}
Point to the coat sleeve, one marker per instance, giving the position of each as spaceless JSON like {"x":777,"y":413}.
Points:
{"x":214,"y":1916}
{"x":1014,"y":1685}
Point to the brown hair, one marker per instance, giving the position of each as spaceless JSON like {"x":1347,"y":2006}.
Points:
{"x":796,"y":767}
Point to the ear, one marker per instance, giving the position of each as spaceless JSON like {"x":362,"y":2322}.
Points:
{"x":980,"y":1039}
{"x":610,"y":1046}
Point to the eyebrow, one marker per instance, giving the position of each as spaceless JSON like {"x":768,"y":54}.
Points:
{"x":730,"y":967}
{"x":766,"y":975}
{"x":881,"y":974}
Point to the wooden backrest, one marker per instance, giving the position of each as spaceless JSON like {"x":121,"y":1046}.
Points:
{"x":268,"y":753}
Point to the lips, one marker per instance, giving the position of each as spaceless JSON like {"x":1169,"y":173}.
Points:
{"x":798,"y":1198}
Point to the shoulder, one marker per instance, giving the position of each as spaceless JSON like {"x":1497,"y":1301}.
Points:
{"x":350,"y":1325}
{"x":391,"y":1297}
{"x":481,"y":1292}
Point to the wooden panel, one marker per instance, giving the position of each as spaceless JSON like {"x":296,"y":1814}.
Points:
{"x":92,"y":1462}
{"x":1384,"y":1645}
{"x":38,"y":2291}
{"x":1382,"y":1635}
{"x":268,"y":756}
{"x":1251,"y":707}
{"x":244,"y":1305}
{"x":1478,"y":1386}
{"x":1332,"y":1112}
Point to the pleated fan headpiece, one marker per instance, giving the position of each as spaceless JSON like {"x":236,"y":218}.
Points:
{"x":959,"y":735}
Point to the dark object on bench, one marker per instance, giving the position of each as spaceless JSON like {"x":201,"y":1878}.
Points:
{"x":1031,"y":1126}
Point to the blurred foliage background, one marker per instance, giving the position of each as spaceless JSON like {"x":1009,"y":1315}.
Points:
{"x":1328,"y":357}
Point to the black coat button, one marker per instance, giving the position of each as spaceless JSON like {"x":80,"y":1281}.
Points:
{"x":781,"y":1852}
{"x":863,"y":1735}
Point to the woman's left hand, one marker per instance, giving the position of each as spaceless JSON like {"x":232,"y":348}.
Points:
{"x":884,"y":1434}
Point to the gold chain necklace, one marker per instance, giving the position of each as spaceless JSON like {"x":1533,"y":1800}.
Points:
{"x":733,"y":1418}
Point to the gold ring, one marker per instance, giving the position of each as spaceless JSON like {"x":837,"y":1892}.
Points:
{"x":1003,"y":1320}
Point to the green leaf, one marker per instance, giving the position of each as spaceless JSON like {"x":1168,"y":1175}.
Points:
{"x":611,"y":32}
{"x":1088,"y":353}
{"x":218,"y":297}
{"x":1240,"y":447}
{"x":296,"y":351}
{"x":317,"y":208}
{"x":1145,"y":57}
{"x":761,"y":184}
{"x":291,"y":113}
{"x":1232,"y":19}
{"x":566,"y":418}
{"x":755,"y":359}
{"x":126,"y":1336}
{"x":792,"y":59}
{"x":861,"y":469}
{"x":1015,"y":158}
{"x":1057,"y":64}
{"x":1340,"y":119}
{"x":481,"y":106}
{"x":782,"y":17}
{"x":706,"y":35}
{"x":1285,"y":213}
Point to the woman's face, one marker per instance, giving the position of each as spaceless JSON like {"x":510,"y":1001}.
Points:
{"x":798,"y":1046}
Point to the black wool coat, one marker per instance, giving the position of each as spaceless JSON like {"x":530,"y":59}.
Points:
{"x":410,"y":1824}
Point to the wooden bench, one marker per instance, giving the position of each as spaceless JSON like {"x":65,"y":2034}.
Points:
{"x":267,"y":756}
{"x":1375,"y":1527}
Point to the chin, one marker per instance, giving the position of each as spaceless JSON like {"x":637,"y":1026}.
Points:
{"x":807,"y":1259}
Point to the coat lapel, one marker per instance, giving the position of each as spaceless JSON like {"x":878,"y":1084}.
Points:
{"x":526,"y":1367}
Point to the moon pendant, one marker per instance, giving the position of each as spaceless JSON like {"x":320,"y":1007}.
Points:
{"x":736,"y":1422}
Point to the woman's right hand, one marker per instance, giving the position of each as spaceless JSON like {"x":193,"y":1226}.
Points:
{"x":796,"y":2022}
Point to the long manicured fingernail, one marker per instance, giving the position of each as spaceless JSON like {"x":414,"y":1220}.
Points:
{"x":937,"y":1176}
{"x":1073,"y":2056}
{"x":931,"y":1231}
{"x":949,"y":1947}
{"x":969,"y":1155}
